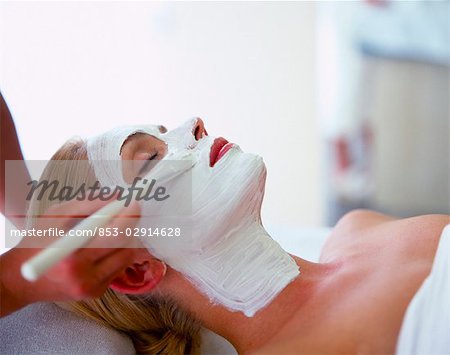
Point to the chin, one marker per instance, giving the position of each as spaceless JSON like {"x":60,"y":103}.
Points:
{"x":246,"y":179}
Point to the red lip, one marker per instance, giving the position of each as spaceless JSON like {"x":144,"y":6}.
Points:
{"x":219,"y":148}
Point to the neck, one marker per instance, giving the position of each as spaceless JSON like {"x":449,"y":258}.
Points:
{"x":250,"y":333}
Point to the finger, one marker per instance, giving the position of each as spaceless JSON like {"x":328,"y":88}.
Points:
{"x":102,"y":246}
{"x":67,"y":214}
{"x":88,"y":278}
{"x":77,"y":208}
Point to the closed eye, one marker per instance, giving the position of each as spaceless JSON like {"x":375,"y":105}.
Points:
{"x":147,"y":163}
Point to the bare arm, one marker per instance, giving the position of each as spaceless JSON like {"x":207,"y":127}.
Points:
{"x":10,"y":150}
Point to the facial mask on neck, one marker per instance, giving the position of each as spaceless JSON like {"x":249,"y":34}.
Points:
{"x":228,"y":255}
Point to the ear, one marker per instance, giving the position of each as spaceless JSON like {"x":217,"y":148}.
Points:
{"x":140,"y":277}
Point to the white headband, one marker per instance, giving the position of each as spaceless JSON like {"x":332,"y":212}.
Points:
{"x":105,"y":148}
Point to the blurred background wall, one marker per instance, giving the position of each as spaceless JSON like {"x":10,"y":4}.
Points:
{"x":347,"y":102}
{"x":411,"y":125}
{"x":383,"y":105}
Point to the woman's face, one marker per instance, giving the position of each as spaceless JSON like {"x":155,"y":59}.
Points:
{"x":140,"y":148}
{"x":222,"y":249}
{"x":226,"y":186}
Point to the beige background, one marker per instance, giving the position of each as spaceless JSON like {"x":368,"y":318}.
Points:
{"x":410,"y":116}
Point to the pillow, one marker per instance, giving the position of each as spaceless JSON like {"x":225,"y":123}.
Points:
{"x":46,"y":328}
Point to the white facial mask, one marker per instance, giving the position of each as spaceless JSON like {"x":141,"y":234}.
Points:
{"x":228,"y":256}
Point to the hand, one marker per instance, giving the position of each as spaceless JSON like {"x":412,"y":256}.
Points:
{"x":84,"y":274}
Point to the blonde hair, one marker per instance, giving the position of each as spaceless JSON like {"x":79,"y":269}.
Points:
{"x":155,"y":324}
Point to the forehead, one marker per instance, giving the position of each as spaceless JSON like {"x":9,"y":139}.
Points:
{"x":145,"y":132}
{"x":125,"y":132}
{"x":139,"y":138}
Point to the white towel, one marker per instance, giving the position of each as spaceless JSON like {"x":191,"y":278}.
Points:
{"x":426,"y":326}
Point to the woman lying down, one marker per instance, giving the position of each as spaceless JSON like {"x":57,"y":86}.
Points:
{"x":366,"y":294}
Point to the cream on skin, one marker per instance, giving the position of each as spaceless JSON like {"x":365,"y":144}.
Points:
{"x":228,"y":255}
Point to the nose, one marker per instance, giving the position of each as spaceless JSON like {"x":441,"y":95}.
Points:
{"x":199,"y":129}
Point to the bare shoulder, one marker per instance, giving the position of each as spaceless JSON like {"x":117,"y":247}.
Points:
{"x":315,"y":342}
{"x":380,"y":253}
{"x":361,"y":219}
{"x":361,"y":229}
{"x":357,"y":222}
